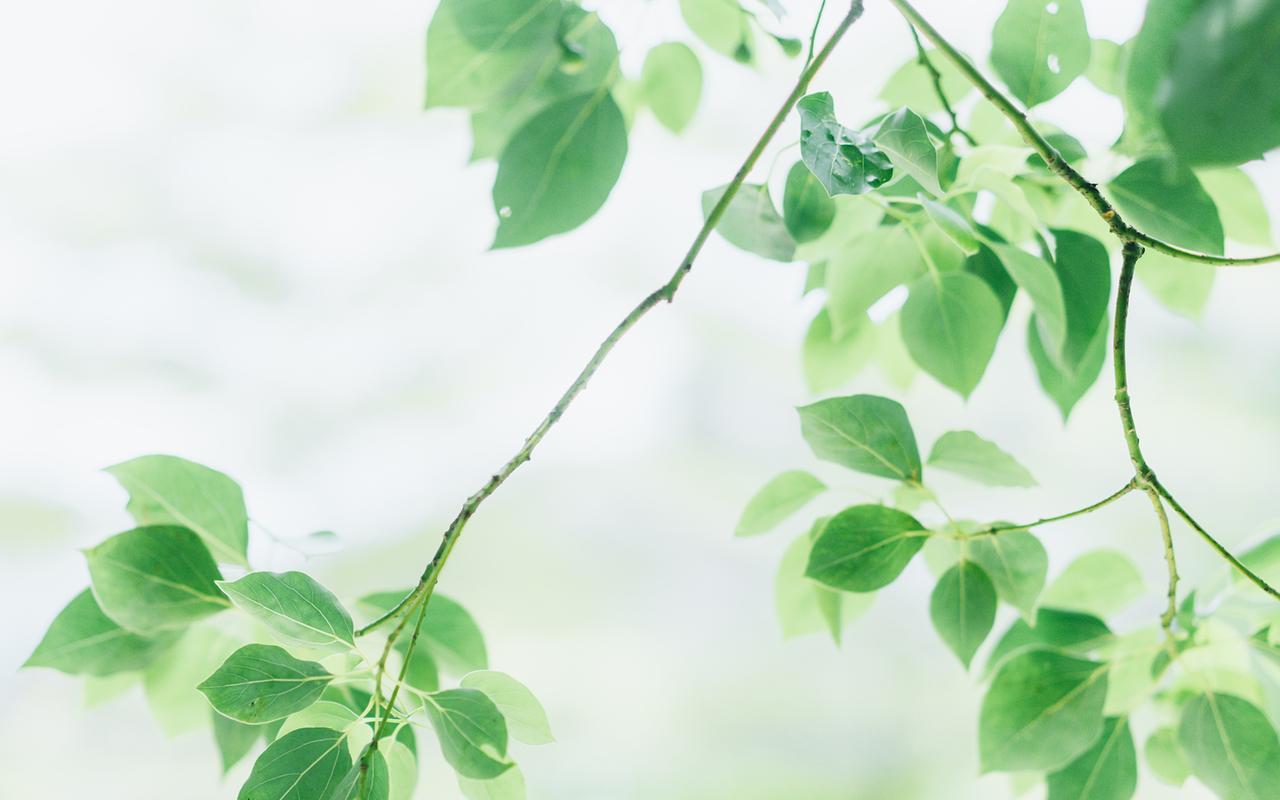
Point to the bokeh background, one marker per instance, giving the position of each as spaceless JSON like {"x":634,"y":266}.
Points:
{"x":228,"y":231}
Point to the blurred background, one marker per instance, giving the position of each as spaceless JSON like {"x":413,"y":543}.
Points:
{"x":228,"y":232}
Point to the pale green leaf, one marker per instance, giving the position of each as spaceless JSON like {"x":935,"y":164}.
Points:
{"x":953,"y":225}
{"x":1016,"y":562}
{"x":296,"y":608}
{"x":911,"y":84}
{"x":1165,"y":200}
{"x":751,"y":222}
{"x":402,"y":769}
{"x":507,"y":786}
{"x":1165,"y":757}
{"x":1106,"y":771}
{"x":902,"y":134}
{"x":449,"y":633}
{"x":1102,"y":583}
{"x":1181,"y":286}
{"x":671,"y":82}
{"x":234,"y":739}
{"x":461,"y":74}
{"x":1231,"y":746}
{"x":471,"y":730}
{"x":82,"y":640}
{"x":778,"y":499}
{"x":1039,"y":280}
{"x":1039,"y":47}
{"x":722,"y":25}
{"x":968,"y":454}
{"x":1066,"y":385}
{"x":831,"y":360}
{"x":1244,"y":215}
{"x":526,"y":719}
{"x":950,"y":324}
{"x":866,"y":269}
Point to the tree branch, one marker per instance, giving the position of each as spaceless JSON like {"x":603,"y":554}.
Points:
{"x":426,"y":584}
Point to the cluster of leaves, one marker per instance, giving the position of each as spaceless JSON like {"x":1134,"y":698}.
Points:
{"x":1065,"y":692}
{"x":154,"y":613}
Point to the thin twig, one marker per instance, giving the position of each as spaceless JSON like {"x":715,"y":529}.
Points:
{"x":995,"y":530}
{"x":922,"y":58}
{"x":813,"y":34}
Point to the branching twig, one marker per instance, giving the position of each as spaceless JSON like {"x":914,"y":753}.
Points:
{"x":996,"y":530}
{"x":922,"y":58}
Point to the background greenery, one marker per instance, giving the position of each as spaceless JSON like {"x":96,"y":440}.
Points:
{"x":229,"y":232}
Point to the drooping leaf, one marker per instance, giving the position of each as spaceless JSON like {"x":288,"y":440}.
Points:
{"x":234,"y":739}
{"x":296,"y":608}
{"x":1071,"y":631}
{"x":1165,"y":200}
{"x":449,"y":633}
{"x":507,"y":786}
{"x":1016,"y":562}
{"x":968,"y":454}
{"x":866,"y":269}
{"x":1146,"y":67}
{"x":506,"y":23}
{"x":1043,"y":710}
{"x":1231,"y":746}
{"x":1106,"y":771}
{"x":952,"y":224}
{"x":402,"y":769}
{"x":843,"y":160}
{"x":963,"y":609}
{"x":1244,"y":215}
{"x":807,"y":209}
{"x":1084,"y":273}
{"x":950,"y":324}
{"x":1180,"y":286}
{"x":986,"y":265}
{"x":865,"y":433}
{"x":155,"y":578}
{"x":1106,"y":66}
{"x":1039,"y":47}
{"x":831,"y":360}
{"x":1066,"y":385}
{"x":82,"y":640}
{"x":364,"y":781}
{"x":721,"y":24}
{"x":1165,"y":757}
{"x":261,"y":682}
{"x":167,"y":490}
{"x":805,"y":606}
{"x":911,"y":84}
{"x":526,"y":719}
{"x":1221,"y":78}
{"x":904,"y":137}
{"x":472,"y":732}
{"x":303,"y":765}
{"x":169,"y":682}
{"x":864,"y":548}
{"x":559,"y":169}
{"x":751,"y":222}
{"x":1039,"y":280}
{"x":1102,"y":583}
{"x":778,"y":499}
{"x":671,"y":81}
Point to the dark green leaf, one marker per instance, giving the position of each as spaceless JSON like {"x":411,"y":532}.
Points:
{"x":559,"y":168}
{"x":261,"y":682}
{"x":1039,"y":280}
{"x":865,"y":548}
{"x":671,"y":81}
{"x":1106,"y":771}
{"x":843,"y":160}
{"x":904,"y":137}
{"x":1166,"y":200}
{"x":1084,"y":272}
{"x":306,"y":764}
{"x":1043,"y":710}
{"x":1017,"y":564}
{"x":807,"y":210}
{"x":1064,"y":630}
{"x":751,"y":222}
{"x":295,"y":607}
{"x":968,"y":454}
{"x":1039,"y":47}
{"x":986,"y":265}
{"x":1231,"y":746}
{"x":155,"y":578}
{"x":1219,"y":103}
{"x":167,"y":490}
{"x":865,"y":433}
{"x":950,"y":324}
{"x":82,"y":640}
{"x":1165,"y":757}
{"x":778,"y":499}
{"x":1067,"y":385}
{"x":963,"y":608}
{"x":472,"y":732}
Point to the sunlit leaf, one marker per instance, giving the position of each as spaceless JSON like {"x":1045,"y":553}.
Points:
{"x":1102,"y":583}
{"x":1165,"y":200}
{"x":963,"y":608}
{"x":807,"y":209}
{"x":778,"y":499}
{"x":296,"y":608}
{"x":261,"y":682}
{"x":82,"y":640}
{"x":303,"y":765}
{"x":865,"y":433}
{"x":751,"y":222}
{"x":950,"y":324}
{"x":1016,"y":562}
{"x":472,"y":732}
{"x":671,"y":81}
{"x":968,"y":454}
{"x":526,"y":719}
{"x":1106,"y":771}
{"x":843,"y":160}
{"x":1039,"y":47}
{"x":865,"y":548}
{"x":903,"y":136}
{"x":1231,"y":746}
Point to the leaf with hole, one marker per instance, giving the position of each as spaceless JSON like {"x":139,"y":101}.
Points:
{"x":1039,"y":47}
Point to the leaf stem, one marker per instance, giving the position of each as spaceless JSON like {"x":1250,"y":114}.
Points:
{"x":995,"y":530}
{"x":1057,"y":164}
{"x":426,"y":584}
{"x":922,"y":58}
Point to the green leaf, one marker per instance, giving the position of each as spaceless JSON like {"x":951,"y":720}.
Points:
{"x":1231,"y":746}
{"x":374,"y":786}
{"x":82,"y":640}
{"x":402,"y":769}
{"x":807,"y":210}
{"x":1146,"y":67}
{"x":507,"y":23}
{"x":449,"y":632}
{"x":1017,"y":564}
{"x":461,"y":74}
{"x":526,"y":719}
{"x":778,"y":499}
{"x":1083,"y":268}
{"x":297,"y":609}
{"x":904,"y":137}
{"x":1165,"y":200}
{"x":1043,"y":710}
{"x":831,"y":360}
{"x":968,"y":454}
{"x":1181,"y":286}
{"x":307,"y":764}
{"x":986,"y":265}
{"x":953,"y":225}
{"x":1165,"y":757}
{"x":1039,"y":47}
{"x":507,"y":786}
{"x":559,"y":168}
{"x":912,"y":85}
{"x":950,"y":324}
{"x":1039,"y":280}
{"x":843,"y":160}
{"x":169,"y":682}
{"x":330,"y":714}
{"x":722,"y":25}
{"x":1106,"y":771}
{"x":866,"y":269}
{"x":751,"y":222}
{"x":671,"y":82}
{"x":1103,"y":582}
{"x":963,"y":609}
{"x":1218,"y":104}
{"x":261,"y":682}
{"x":805,"y":606}
{"x":1066,"y":385}
{"x":234,"y":739}
{"x":471,"y":730}
{"x":1244,"y":215}
{"x":865,"y":433}
{"x":1064,"y":630}
{"x":167,"y":490}
{"x":865,"y":548}
{"x":1106,"y":67}
{"x":155,"y":578}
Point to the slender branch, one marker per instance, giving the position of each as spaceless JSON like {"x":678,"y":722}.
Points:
{"x":922,"y":58}
{"x":813,"y":34}
{"x":666,"y":292}
{"x":1057,"y":164}
{"x":1079,"y":512}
